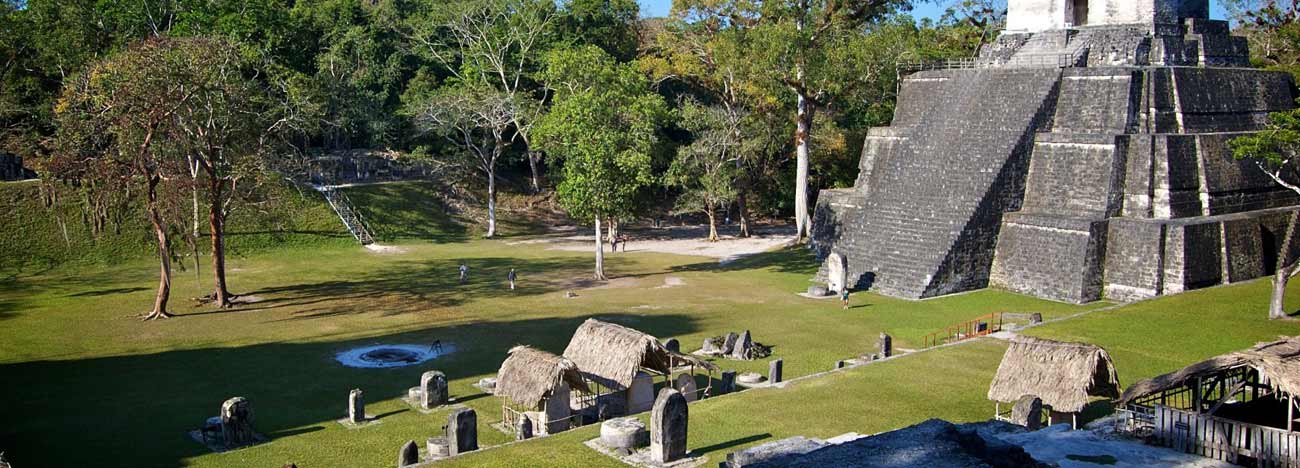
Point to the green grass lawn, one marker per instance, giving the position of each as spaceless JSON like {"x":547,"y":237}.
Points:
{"x":79,"y":371}
{"x":85,"y":364}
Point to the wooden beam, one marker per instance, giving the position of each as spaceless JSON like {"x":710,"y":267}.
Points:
{"x":1290,"y":413}
{"x":1224,"y":398}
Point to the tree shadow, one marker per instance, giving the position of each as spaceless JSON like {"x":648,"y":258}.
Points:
{"x":411,"y":287}
{"x":107,"y":292}
{"x":731,"y":443}
{"x":151,"y":400}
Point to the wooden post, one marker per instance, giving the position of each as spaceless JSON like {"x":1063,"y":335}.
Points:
{"x":997,"y":410}
{"x":1290,"y":413}
{"x":1074,"y":421}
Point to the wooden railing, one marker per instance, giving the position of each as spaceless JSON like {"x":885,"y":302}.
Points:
{"x":979,"y":326}
{"x":1225,"y":439}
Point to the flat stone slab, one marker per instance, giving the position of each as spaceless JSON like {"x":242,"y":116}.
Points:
{"x":369,"y":421}
{"x":197,"y":436}
{"x":641,"y":457}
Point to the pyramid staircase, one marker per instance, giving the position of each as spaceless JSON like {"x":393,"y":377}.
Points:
{"x":351,"y":219}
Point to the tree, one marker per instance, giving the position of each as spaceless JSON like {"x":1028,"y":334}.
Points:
{"x":804,"y":46}
{"x":112,"y":120}
{"x":476,"y":119}
{"x":222,"y":131}
{"x":494,"y":43}
{"x":603,"y":125}
{"x":1275,"y":151}
{"x":608,"y":24}
{"x":707,"y":168}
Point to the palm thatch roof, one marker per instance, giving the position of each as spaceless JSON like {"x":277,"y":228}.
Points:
{"x":1064,"y":375}
{"x":611,"y":354}
{"x":529,"y":376}
{"x":1278,"y":363}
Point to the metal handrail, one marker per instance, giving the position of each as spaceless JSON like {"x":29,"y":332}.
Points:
{"x":906,"y":67}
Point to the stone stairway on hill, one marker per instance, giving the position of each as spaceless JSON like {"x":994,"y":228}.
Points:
{"x":351,"y":219}
{"x":934,"y":201}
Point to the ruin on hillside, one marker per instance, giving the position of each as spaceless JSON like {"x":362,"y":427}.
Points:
{"x":1083,"y":154}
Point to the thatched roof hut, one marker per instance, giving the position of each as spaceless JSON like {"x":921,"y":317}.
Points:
{"x":611,"y":354}
{"x":1278,"y":364}
{"x":1064,"y":375}
{"x":529,"y":376}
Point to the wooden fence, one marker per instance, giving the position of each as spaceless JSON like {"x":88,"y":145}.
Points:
{"x":1225,"y":439}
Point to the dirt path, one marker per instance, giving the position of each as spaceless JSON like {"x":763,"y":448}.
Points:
{"x":682,"y":240}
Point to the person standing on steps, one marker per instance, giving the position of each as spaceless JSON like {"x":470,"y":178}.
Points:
{"x":464,"y":273}
{"x":844,"y":297}
{"x":511,"y":276}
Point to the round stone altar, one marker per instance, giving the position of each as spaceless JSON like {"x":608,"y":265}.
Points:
{"x":386,"y":356}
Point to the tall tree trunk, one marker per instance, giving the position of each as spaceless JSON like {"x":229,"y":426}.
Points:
{"x":194,"y":231}
{"x":803,"y":129}
{"x":164,"y":253}
{"x":217,"y":227}
{"x":600,"y":252}
{"x":492,"y":204}
{"x":741,"y":213}
{"x":1286,"y":268}
{"x":534,"y":157}
{"x":612,"y":237}
{"x":713,"y":222}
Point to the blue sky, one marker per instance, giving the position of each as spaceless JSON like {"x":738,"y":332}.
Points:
{"x":652,"y":8}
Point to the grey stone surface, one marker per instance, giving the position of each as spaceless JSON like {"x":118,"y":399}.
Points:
{"x":727,"y":382}
{"x":685,"y":383}
{"x":624,"y":433}
{"x":749,"y":378}
{"x":712,"y":346}
{"x":433,"y":389}
{"x":409,"y":454}
{"x":886,"y":345}
{"x":437,"y":447}
{"x":934,"y":443}
{"x":743,"y":346}
{"x":784,"y":448}
{"x":729,"y":343}
{"x":668,"y":427}
{"x":819,"y":290}
{"x":237,"y":422}
{"x":1028,"y":412}
{"x":462,"y":431}
{"x":774,"y":371}
{"x":524,"y":429}
{"x":1110,"y":177}
{"x":356,"y":407}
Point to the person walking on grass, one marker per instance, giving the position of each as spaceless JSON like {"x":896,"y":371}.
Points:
{"x":464,"y":273}
{"x":844,"y":297}
{"x":511,"y":276}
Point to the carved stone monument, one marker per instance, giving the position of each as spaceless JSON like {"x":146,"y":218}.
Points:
{"x":356,"y":407}
{"x":837,"y":273}
{"x":668,"y":423}
{"x":673,"y":345}
{"x":433,"y":389}
{"x":524,"y":429}
{"x":774,"y":371}
{"x":685,"y":383}
{"x":886,"y":344}
{"x":742,"y":347}
{"x":727,"y":382}
{"x":1028,"y":412}
{"x":409,"y":454}
{"x":462,"y":431}
{"x":237,"y":423}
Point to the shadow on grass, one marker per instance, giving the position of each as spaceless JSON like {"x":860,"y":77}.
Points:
{"x":107,"y":292}
{"x":731,"y":443}
{"x":411,"y":287}
{"x":795,"y":259}
{"x":151,"y":400}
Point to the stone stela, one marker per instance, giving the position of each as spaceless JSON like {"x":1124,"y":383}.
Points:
{"x":1083,"y":154}
{"x":668,"y":421}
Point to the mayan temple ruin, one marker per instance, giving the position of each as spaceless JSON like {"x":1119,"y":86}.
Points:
{"x":1082,"y":155}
